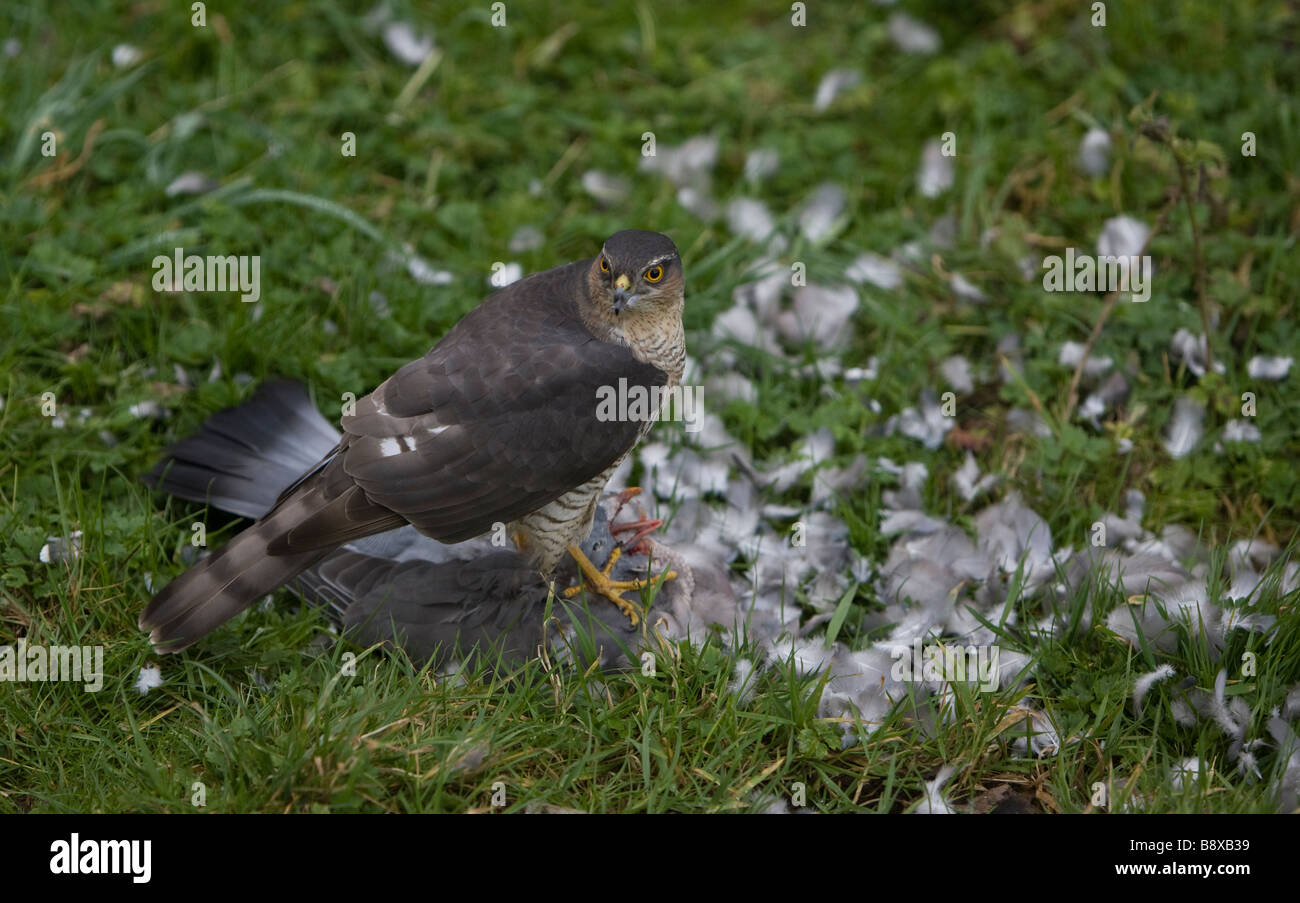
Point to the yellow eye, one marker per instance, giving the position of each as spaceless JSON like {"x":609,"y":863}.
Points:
{"x":654,"y":274}
{"x":604,"y":265}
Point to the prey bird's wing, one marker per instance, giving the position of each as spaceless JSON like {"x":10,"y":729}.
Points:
{"x":493,"y":604}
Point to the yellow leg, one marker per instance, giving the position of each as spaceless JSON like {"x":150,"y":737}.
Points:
{"x":600,"y":582}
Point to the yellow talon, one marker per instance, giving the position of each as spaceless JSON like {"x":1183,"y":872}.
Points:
{"x":611,"y":589}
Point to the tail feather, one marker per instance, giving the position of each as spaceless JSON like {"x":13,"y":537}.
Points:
{"x":242,"y":458}
{"x":241,"y":461}
{"x":220,"y":587}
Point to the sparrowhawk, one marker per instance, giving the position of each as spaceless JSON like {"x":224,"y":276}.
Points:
{"x":497,"y":423}
{"x":439,"y":603}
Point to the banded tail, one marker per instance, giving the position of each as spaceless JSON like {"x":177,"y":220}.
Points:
{"x":240,"y":461}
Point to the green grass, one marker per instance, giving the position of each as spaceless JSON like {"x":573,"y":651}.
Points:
{"x":498,"y":136}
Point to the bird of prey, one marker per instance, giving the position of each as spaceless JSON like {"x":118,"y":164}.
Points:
{"x":496,"y":424}
{"x":438,"y":603}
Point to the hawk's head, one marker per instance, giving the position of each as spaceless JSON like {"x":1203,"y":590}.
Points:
{"x":637,"y":273}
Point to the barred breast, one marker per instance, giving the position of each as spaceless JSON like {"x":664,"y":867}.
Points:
{"x":550,"y":530}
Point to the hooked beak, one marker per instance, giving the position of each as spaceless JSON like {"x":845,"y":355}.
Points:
{"x":622,"y":298}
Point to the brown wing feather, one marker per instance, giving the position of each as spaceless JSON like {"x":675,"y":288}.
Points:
{"x":496,"y":421}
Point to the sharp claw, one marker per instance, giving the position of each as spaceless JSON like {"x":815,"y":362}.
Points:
{"x":600,"y":582}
